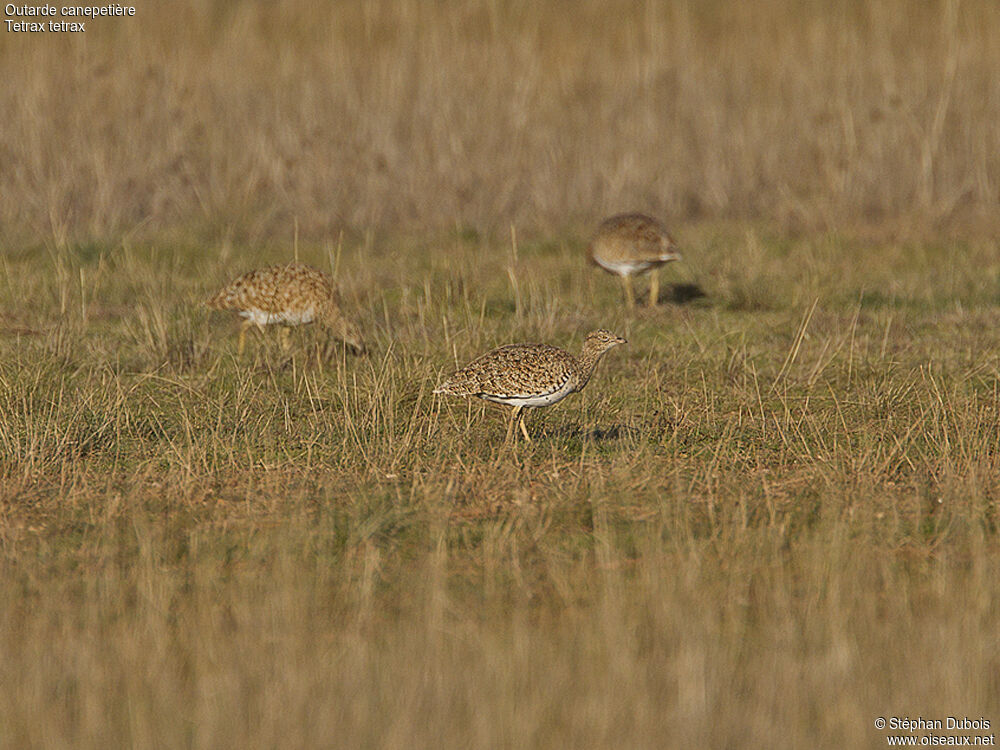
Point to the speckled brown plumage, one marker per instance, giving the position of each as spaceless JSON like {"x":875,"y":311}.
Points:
{"x":292,"y":294}
{"x":628,"y":244}
{"x":529,"y":375}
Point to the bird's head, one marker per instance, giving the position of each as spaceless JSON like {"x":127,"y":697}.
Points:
{"x":350,"y":334}
{"x":602,"y":339}
{"x":668,"y":249}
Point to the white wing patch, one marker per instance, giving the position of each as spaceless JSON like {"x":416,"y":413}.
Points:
{"x":623,"y":267}
{"x":538,"y":399}
{"x":262,"y":318}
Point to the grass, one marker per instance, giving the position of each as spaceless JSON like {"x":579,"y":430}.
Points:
{"x":769,"y":519}
{"x":236,"y":119}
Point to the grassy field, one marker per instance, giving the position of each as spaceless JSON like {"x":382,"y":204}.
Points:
{"x":770,"y":519}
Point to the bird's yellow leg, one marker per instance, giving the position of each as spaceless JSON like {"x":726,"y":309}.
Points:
{"x":524,"y":430}
{"x":514,"y":417}
{"x":654,"y":288}
{"x":629,"y":294}
{"x":284,"y":336}
{"x":242,"y":341}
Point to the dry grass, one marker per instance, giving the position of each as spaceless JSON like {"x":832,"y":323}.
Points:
{"x":769,"y":519}
{"x":237,"y":119}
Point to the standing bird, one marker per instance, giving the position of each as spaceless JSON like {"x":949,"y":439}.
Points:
{"x":527,"y":376}
{"x":292,"y":294}
{"x":627,"y":244}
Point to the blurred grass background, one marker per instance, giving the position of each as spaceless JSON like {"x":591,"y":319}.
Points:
{"x":770,"y":519}
{"x":237,"y":118}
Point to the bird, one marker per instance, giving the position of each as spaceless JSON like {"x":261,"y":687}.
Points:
{"x":627,"y":244}
{"x":527,"y":376}
{"x":292,"y":294}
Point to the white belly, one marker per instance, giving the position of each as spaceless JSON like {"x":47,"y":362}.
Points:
{"x":262,"y":318}
{"x":623,"y":267}
{"x":537,"y":400}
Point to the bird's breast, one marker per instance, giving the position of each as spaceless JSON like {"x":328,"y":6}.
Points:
{"x":532,"y":399}
{"x":623,"y":267}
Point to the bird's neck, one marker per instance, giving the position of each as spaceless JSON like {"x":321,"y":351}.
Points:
{"x":585,"y":365}
{"x":329,"y":314}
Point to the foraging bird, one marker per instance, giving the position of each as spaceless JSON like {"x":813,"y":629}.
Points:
{"x":527,"y":376}
{"x":292,"y":294}
{"x":627,"y":244}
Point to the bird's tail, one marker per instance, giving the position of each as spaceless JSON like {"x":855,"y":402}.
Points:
{"x":448,"y":388}
{"x":217,"y":301}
